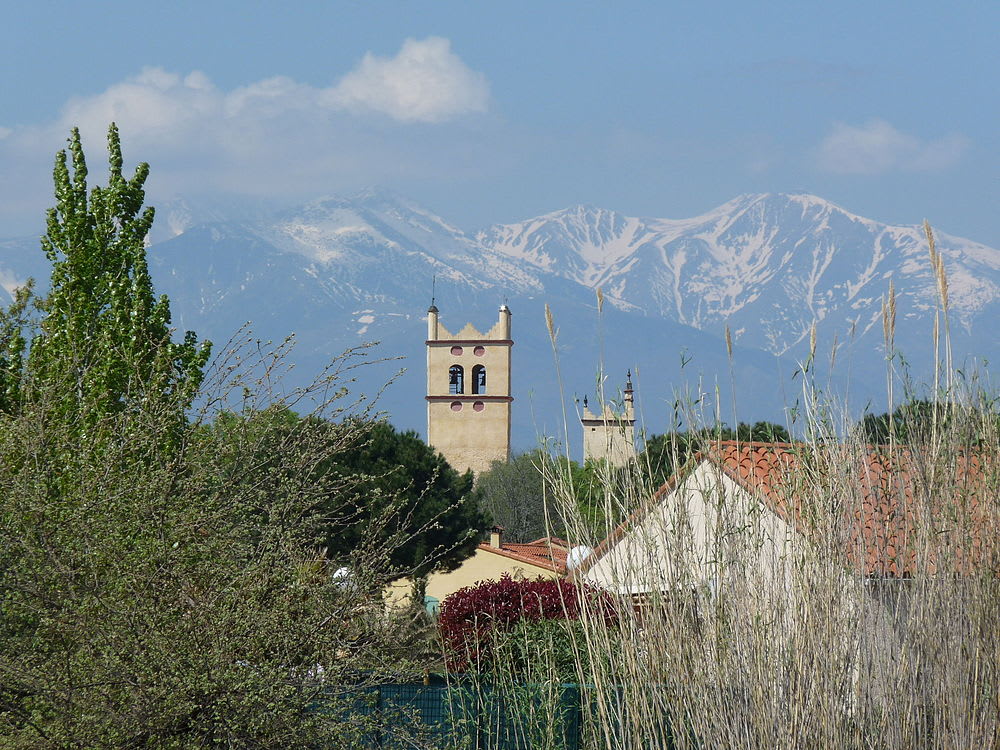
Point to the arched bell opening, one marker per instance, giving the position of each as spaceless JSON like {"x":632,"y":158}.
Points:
{"x":456,"y":379}
{"x":479,"y":380}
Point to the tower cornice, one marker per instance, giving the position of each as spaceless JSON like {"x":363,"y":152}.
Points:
{"x":467,"y":342}
{"x":467,"y":397}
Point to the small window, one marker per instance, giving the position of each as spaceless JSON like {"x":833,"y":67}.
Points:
{"x":456,"y":379}
{"x":479,"y":380}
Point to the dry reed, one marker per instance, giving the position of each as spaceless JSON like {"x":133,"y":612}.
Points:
{"x":745,"y":627}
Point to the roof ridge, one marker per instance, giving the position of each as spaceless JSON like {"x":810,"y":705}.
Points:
{"x":549,"y":562}
{"x":759,"y":443}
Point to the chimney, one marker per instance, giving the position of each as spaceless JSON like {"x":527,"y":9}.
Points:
{"x":495,"y":537}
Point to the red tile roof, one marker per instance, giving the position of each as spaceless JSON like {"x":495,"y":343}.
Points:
{"x":883,"y":508}
{"x":548,"y":552}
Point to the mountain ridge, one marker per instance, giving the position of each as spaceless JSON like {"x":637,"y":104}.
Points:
{"x":769,"y":267}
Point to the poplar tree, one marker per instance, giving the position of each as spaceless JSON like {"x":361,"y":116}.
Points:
{"x":105,"y":337}
{"x":159,"y":586}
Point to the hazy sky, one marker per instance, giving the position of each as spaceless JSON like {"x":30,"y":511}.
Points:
{"x":497,"y":112}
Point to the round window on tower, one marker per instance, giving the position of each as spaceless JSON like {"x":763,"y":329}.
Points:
{"x":456,"y":406}
{"x":478,"y":406}
{"x":456,"y":351}
{"x":479,"y":351}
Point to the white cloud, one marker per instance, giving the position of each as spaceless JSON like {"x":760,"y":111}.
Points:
{"x":424,"y":82}
{"x":158,"y":105}
{"x":877,"y":147}
{"x":272,"y":137}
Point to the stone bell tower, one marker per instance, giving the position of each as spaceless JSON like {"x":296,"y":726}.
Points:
{"x":468,"y":392}
{"x":608,"y":435}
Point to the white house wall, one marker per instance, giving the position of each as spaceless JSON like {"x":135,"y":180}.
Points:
{"x":706,"y":531}
{"x":710,"y":531}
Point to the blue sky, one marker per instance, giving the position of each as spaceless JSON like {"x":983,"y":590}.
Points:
{"x":497,"y":112}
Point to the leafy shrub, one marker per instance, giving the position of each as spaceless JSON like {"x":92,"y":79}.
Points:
{"x":473,"y":618}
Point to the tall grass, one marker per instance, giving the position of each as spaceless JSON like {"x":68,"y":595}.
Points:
{"x":801,"y":633}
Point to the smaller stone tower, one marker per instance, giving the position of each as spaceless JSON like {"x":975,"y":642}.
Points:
{"x":607,"y":435}
{"x":468,"y":392}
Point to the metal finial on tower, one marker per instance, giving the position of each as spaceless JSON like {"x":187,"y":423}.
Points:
{"x":433,"y":307}
{"x":585,"y":402}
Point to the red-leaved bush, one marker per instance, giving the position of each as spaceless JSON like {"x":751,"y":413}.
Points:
{"x":470,"y":617}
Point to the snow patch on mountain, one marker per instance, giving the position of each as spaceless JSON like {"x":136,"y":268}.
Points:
{"x":776,"y":263}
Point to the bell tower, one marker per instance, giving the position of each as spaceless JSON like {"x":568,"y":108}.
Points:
{"x":608,"y":435}
{"x":468,"y":392}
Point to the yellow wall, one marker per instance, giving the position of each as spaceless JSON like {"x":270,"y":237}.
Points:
{"x":608,"y":437}
{"x":469,"y":438}
{"x":482,"y":566}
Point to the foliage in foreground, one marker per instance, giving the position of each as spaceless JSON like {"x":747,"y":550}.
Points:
{"x":389,"y":493}
{"x":162,"y":584}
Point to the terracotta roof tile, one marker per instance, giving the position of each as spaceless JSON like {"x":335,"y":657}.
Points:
{"x":547,"y":552}
{"x":876,"y":502}
{"x":887,"y":502}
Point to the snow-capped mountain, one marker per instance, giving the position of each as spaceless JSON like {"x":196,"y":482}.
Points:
{"x":769,"y":266}
{"x":341,"y":271}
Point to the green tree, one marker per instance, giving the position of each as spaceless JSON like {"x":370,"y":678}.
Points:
{"x":104,"y":336}
{"x":388,"y":492}
{"x":536,"y":494}
{"x":13,"y":323}
{"x":161,"y":584}
{"x":513,"y":496}
{"x":916,"y":421}
{"x":406,"y":500}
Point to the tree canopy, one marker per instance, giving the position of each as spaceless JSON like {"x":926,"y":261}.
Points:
{"x":513,"y":496}
{"x":103,"y":336}
{"x":410,"y":500}
{"x":161,"y":583}
{"x":389,"y":493}
{"x":916,"y":420}
{"x":536,"y":494}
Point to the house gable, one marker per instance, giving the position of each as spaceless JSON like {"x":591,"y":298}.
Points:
{"x":761,"y":498}
{"x":704,"y":527}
